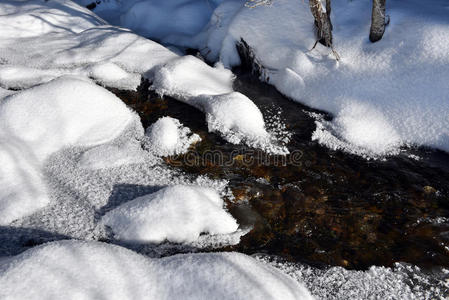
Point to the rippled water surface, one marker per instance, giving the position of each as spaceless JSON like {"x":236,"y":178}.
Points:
{"x":323,"y":206}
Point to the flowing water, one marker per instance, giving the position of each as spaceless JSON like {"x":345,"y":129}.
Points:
{"x":320,"y":207}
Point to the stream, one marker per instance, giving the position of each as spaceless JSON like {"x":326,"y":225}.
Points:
{"x":320,"y":207}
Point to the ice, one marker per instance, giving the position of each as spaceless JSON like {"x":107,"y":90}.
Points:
{"x":167,"y":136}
{"x":178,"y":214}
{"x":92,"y":270}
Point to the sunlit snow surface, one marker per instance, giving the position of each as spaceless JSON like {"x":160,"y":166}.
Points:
{"x":71,"y":152}
{"x":229,"y":113}
{"x":383,"y":96}
{"x":45,"y":40}
{"x":403,"y":281}
{"x":92,"y":270}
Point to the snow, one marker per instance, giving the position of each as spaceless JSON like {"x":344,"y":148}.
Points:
{"x":167,"y":136}
{"x":209,"y":89}
{"x":154,"y":19}
{"x":111,"y":156}
{"x":92,"y":270}
{"x":383,"y":96}
{"x":177,"y":213}
{"x":41,"y":48}
{"x":149,"y":18}
{"x":65,"y":112}
{"x":22,"y":189}
{"x":74,"y":158}
{"x":44,"y":40}
{"x":402,"y":281}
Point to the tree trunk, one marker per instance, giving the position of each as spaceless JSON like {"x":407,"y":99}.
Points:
{"x":322,"y":21}
{"x":377,"y":21}
{"x":323,"y":24}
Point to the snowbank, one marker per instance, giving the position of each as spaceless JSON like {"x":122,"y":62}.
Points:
{"x":167,"y":136}
{"x":383,"y":95}
{"x":35,"y":123}
{"x":90,"y":270}
{"x":44,"y":40}
{"x":209,"y":89}
{"x":64,"y":112}
{"x":178,"y":214}
{"x":38,"y":47}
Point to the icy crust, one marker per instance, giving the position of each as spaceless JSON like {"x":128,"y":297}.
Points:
{"x":177,"y":214}
{"x":38,"y":122}
{"x":403,"y":281}
{"x":209,"y":89}
{"x":44,"y":40}
{"x":167,"y":136}
{"x":92,"y":270}
{"x":383,"y":95}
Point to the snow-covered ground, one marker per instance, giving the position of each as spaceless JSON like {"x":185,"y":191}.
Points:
{"x":44,"y":40}
{"x":76,"y":162}
{"x":403,"y":281}
{"x":92,"y":270}
{"x":383,"y":96}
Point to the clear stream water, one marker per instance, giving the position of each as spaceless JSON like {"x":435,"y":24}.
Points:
{"x":323,"y":207}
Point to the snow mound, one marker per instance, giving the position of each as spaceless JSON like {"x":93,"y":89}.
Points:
{"x":92,"y":270}
{"x":167,"y":136}
{"x":178,"y":214}
{"x":42,"y":40}
{"x":209,"y":89}
{"x":65,"y":112}
{"x":22,"y":188}
{"x":188,"y":77}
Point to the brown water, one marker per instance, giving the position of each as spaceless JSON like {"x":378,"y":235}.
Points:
{"x":328,"y":208}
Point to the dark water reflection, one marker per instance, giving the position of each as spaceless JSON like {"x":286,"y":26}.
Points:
{"x":331,"y":208}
